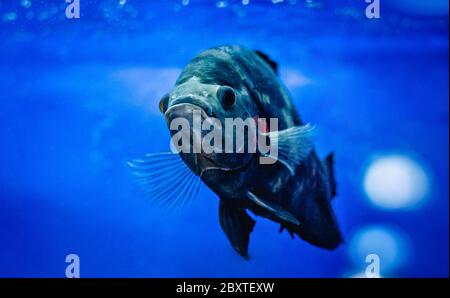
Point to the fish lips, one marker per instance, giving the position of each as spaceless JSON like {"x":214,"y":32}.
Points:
{"x":201,"y":162}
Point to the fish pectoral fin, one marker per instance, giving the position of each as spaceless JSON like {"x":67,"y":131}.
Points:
{"x":291,"y":146}
{"x":278,"y":211}
{"x":166,"y":178}
{"x":237,"y":226}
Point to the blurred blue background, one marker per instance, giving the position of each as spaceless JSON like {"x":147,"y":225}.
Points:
{"x":79,"y":98}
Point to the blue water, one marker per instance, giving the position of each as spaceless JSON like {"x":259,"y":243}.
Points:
{"x":79,"y":98}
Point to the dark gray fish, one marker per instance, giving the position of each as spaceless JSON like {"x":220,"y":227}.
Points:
{"x":295,"y":191}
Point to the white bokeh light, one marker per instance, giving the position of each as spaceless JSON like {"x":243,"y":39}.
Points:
{"x":388,"y":243}
{"x":395,"y":181}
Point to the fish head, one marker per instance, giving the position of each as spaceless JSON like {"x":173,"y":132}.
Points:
{"x":205,"y":121}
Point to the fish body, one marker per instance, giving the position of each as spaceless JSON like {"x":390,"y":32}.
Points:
{"x":295,"y":190}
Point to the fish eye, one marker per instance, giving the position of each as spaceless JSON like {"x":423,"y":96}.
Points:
{"x":163,"y":103}
{"x":226,"y":96}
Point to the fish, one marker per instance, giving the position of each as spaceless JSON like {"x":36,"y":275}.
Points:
{"x":295,"y":189}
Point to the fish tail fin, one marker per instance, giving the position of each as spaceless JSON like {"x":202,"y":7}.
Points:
{"x":329,"y":166}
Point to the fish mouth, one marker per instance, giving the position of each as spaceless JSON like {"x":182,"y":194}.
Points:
{"x":194,"y":101}
{"x":181,"y":109}
{"x":200,"y":162}
{"x":206,"y":163}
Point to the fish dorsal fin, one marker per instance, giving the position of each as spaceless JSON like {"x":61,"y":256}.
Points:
{"x":237,"y":226}
{"x":269,"y":61}
{"x":278,"y":211}
{"x":166,"y":178}
{"x":291,"y":146}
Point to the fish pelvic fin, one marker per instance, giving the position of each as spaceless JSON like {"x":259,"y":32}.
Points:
{"x":166,"y":178}
{"x":237,"y":226}
{"x":274,"y":209}
{"x":291,"y":146}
